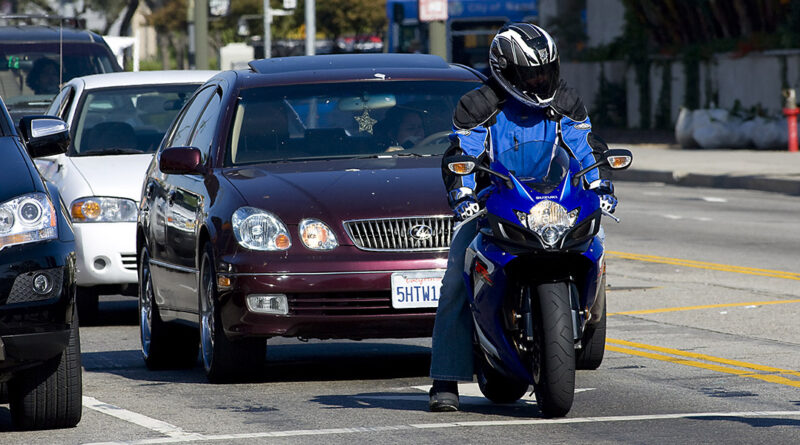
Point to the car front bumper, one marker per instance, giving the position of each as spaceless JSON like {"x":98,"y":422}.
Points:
{"x":355,"y":304}
{"x":35,"y":326}
{"x":106,"y":253}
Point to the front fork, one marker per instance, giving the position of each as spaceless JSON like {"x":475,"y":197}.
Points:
{"x":578,"y":314}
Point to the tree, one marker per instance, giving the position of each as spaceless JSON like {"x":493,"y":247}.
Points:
{"x":168,"y":17}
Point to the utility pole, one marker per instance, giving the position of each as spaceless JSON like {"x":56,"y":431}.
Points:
{"x":268,"y":14}
{"x":201,"y":34}
{"x":311,"y":27}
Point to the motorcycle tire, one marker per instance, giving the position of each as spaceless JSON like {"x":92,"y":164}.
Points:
{"x":593,"y":342}
{"x":499,"y":388}
{"x":554,"y":383}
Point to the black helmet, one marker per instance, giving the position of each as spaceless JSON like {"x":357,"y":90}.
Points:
{"x":524,"y":60}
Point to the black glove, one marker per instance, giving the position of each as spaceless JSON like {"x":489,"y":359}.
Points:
{"x":567,"y":103}
{"x":466,"y":207}
{"x":477,"y":107}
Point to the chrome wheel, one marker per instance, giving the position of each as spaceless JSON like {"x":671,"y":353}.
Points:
{"x":207,"y":323}
{"x":145,"y":304}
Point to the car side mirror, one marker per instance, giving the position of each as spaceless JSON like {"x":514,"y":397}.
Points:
{"x":44,"y":135}
{"x":181,"y":161}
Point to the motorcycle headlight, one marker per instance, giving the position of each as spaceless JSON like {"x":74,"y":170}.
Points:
{"x":100,"y":209}
{"x":27,"y":219}
{"x":550,"y":220}
{"x":316,"y":235}
{"x":259,"y":230}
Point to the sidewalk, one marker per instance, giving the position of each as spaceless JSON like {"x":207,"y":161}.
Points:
{"x":661,"y":160}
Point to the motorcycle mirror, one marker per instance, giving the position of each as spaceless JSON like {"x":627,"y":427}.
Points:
{"x":461,"y":165}
{"x":616,"y":158}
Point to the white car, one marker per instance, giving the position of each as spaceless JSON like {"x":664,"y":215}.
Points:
{"x":116,"y":122}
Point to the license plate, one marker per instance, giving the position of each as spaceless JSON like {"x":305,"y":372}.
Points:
{"x":416,"y":289}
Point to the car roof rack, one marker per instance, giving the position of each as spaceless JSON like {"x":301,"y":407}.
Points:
{"x":42,"y":20}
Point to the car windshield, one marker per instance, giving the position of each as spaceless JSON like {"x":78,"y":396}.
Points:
{"x":538,"y":164}
{"x":29,"y":72}
{"x":343,"y":120}
{"x":126,"y":120}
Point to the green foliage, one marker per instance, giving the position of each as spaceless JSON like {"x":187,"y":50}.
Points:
{"x":663,"y":115}
{"x":609,"y":103}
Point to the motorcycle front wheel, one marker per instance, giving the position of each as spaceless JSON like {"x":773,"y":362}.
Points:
{"x":554,"y":349}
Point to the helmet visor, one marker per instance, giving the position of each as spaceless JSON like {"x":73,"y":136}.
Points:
{"x":538,"y":83}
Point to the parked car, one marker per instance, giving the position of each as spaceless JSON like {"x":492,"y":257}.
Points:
{"x":117,"y":121}
{"x":36,"y":58}
{"x":40,"y":356}
{"x":281,"y":203}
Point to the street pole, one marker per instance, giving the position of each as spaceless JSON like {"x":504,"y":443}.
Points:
{"x":437,"y":32}
{"x":311,"y":27}
{"x":190,"y":13}
{"x":201,"y":34}
{"x":267,"y":30}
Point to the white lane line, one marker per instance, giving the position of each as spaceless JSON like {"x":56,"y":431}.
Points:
{"x":427,"y":426}
{"x":137,"y":419}
{"x":713,"y":199}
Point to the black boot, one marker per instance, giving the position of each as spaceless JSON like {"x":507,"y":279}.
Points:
{"x":444,"y":396}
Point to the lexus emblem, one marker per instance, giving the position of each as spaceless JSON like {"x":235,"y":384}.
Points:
{"x":421,"y":232}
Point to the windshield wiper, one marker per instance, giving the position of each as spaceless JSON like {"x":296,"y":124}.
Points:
{"x":110,"y":151}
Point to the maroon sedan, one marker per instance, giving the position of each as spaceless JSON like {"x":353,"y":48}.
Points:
{"x":300,"y":198}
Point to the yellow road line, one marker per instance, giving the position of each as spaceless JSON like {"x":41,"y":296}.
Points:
{"x":707,"y":306}
{"x":704,"y":265}
{"x":767,"y":378}
{"x":705,"y":357}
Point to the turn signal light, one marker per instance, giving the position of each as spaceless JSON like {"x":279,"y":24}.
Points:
{"x":282,"y":242}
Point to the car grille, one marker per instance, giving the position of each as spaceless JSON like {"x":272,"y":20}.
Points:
{"x":129,"y":261}
{"x":347,"y":303}
{"x":428,"y":233}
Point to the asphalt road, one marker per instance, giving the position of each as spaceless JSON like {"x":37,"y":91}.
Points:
{"x":703,"y":347}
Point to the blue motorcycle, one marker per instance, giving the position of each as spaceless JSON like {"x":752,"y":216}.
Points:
{"x":535,"y":273}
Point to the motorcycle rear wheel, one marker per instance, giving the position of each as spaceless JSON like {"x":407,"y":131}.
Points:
{"x":593,"y":342}
{"x":554,"y":350}
{"x":499,"y":388}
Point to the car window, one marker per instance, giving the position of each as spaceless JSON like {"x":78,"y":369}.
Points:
{"x":290,"y":123}
{"x":124,"y":120}
{"x":207,"y":125}
{"x":30,"y":72}
{"x":183,"y":130}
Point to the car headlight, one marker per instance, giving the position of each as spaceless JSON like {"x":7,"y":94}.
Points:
{"x":100,"y":209}
{"x":259,"y":230}
{"x":550,"y":220}
{"x":27,"y":219}
{"x":316,"y":235}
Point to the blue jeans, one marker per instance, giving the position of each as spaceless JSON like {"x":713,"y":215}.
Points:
{"x":451,"y":353}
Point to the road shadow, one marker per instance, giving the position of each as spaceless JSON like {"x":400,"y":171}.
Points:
{"x":114,"y":310}
{"x":418,"y":401}
{"x":302,"y":362}
{"x":756,"y":422}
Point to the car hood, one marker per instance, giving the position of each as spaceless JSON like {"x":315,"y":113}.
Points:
{"x":340,"y":190}
{"x":119,"y":176}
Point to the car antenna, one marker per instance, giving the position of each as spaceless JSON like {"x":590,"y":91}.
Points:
{"x":60,"y":51}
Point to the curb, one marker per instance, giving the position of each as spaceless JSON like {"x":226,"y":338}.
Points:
{"x":747,"y":182}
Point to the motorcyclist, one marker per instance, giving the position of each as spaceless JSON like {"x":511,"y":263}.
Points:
{"x":524,"y":100}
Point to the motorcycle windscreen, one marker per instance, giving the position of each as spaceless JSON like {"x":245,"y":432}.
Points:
{"x":540,"y":165}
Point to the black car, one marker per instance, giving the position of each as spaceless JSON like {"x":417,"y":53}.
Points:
{"x":36,"y":58}
{"x":40,"y":365}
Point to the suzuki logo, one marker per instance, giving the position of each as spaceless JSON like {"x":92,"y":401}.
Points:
{"x":421,"y":232}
